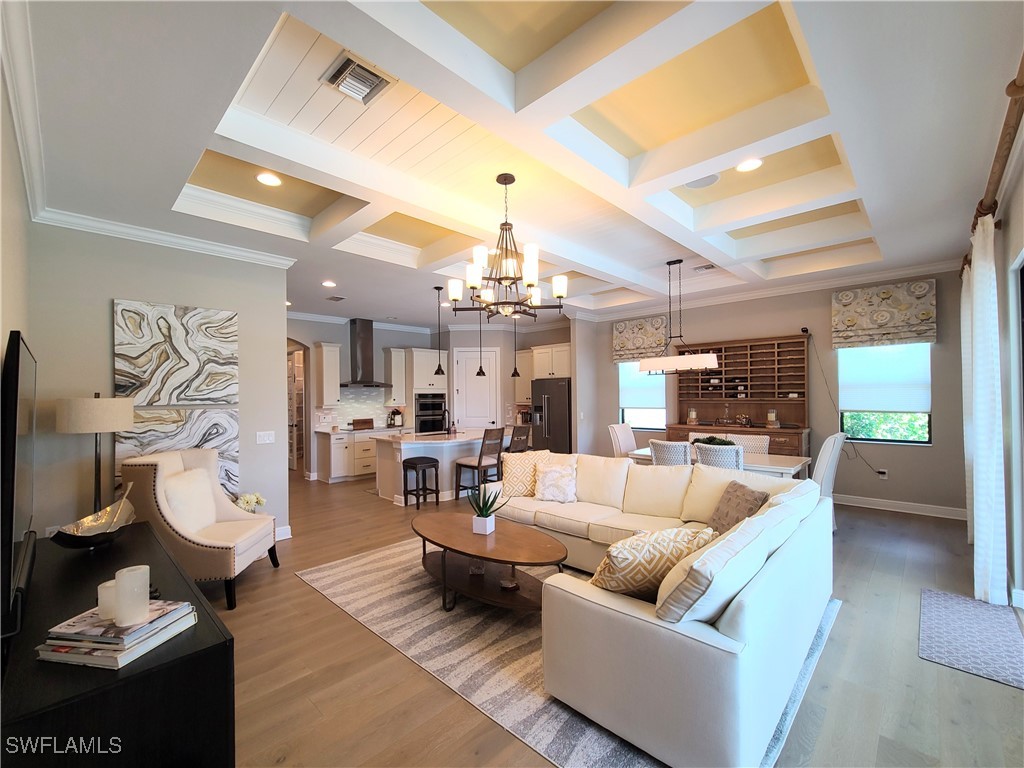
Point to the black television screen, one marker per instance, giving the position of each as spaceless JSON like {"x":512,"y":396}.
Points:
{"x":17,"y":457}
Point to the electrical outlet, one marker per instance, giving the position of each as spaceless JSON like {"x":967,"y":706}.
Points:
{"x":52,"y":530}
{"x":264,"y":438}
{"x":883,"y":474}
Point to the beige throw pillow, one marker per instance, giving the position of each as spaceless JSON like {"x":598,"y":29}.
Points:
{"x":636,"y":566}
{"x":518,"y":472}
{"x":556,"y":482}
{"x":737,"y":503}
{"x":190,"y":497}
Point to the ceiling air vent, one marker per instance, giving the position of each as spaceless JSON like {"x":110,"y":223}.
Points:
{"x":704,"y":268}
{"x":335,"y":298}
{"x":355,"y":79}
{"x":703,"y":181}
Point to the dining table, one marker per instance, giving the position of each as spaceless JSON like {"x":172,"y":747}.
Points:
{"x":776,"y":465}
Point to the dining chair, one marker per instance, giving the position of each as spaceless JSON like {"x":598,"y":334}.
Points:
{"x":671,"y":452}
{"x":623,"y":439}
{"x":520,"y":440}
{"x":699,"y":436}
{"x":826,"y":465}
{"x":481,"y":466}
{"x":751,"y":443}
{"x":724,"y":456}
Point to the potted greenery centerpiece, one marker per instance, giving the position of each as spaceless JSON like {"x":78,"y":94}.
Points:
{"x":484,"y":504}
{"x":712,"y":441}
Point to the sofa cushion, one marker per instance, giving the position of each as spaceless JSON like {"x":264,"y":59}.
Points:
{"x":636,"y":566}
{"x":601,"y":480}
{"x":556,"y":482}
{"x":574,"y":519}
{"x":803,"y":498}
{"x":702,"y":585}
{"x":618,"y":527}
{"x":738,"y":502}
{"x":563,"y":459}
{"x":522,"y":509}
{"x":656,"y":490}
{"x":707,"y":484}
{"x":518,"y":472}
{"x":190,"y":499}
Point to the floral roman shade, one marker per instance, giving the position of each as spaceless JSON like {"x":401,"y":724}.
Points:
{"x":637,"y":339}
{"x":899,"y":313}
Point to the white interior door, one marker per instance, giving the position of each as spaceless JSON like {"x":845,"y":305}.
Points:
{"x":477,"y":400}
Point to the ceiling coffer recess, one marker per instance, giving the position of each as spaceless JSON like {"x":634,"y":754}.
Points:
{"x":356,"y":78}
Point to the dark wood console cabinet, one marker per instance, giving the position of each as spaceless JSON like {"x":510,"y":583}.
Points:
{"x":173,"y":706}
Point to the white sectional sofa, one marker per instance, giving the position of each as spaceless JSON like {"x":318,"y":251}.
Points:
{"x":691,"y":692}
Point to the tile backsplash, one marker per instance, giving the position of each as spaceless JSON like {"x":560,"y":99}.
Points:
{"x":356,"y":403}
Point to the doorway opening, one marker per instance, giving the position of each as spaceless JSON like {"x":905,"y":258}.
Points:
{"x":298,"y":407}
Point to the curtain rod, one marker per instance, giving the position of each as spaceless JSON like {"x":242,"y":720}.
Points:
{"x":1011,"y":122}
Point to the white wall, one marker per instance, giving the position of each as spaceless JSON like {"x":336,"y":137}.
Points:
{"x":74,"y":278}
{"x":14,"y":218}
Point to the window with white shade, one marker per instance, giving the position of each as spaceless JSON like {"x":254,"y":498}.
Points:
{"x":885,"y":393}
{"x":641,"y":397}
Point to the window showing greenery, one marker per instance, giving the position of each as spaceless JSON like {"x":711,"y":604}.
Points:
{"x":641,"y":397}
{"x":885,"y":393}
{"x":890,"y":427}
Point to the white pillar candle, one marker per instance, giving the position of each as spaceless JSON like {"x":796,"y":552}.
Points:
{"x":132,"y":589}
{"x":106,"y":599}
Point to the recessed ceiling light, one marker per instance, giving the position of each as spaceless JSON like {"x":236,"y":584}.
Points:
{"x":287,"y":303}
{"x":268,"y":178}
{"x":329,"y":284}
{"x":749,"y":165}
{"x":391,"y":317}
{"x":446,"y":303}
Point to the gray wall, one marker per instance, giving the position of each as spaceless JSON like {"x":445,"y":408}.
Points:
{"x":931,"y":475}
{"x":546,"y":334}
{"x":14,"y":219}
{"x":75,"y":277}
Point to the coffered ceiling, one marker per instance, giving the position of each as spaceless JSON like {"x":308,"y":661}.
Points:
{"x":622,"y":122}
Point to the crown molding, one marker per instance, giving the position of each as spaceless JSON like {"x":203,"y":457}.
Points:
{"x":157,"y":237}
{"x":404,"y":328}
{"x":316,"y":318}
{"x":227,"y":209}
{"x":17,"y":58}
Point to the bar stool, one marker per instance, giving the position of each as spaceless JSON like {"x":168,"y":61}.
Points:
{"x":481,"y":466}
{"x":419,"y":466}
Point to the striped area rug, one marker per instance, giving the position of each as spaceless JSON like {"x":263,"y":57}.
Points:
{"x":489,"y":656}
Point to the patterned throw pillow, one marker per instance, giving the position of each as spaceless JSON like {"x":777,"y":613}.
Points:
{"x":517,"y":472}
{"x":636,"y":566}
{"x":556,"y":482}
{"x":737,"y":503}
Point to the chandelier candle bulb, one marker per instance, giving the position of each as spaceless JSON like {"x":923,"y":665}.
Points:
{"x":531,"y":265}
{"x":454,"y":289}
{"x":132,"y":595}
{"x":487,"y":296}
{"x":474,"y":276}
{"x":560,"y":286}
{"x":534,"y":295}
{"x":480,"y":257}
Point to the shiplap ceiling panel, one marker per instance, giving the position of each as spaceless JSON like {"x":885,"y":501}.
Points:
{"x":305,"y":80}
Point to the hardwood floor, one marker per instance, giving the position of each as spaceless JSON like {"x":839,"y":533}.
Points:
{"x":314,"y":687}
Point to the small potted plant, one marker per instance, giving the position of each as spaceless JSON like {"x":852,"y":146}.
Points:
{"x":483,"y":504}
{"x":249,"y":501}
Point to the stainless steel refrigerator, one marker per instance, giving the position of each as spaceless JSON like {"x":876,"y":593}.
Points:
{"x":552,"y":415}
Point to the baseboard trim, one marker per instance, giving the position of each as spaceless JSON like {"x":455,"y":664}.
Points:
{"x":1017,"y":598}
{"x":909,"y":507}
{"x":283,"y":532}
{"x":310,"y":475}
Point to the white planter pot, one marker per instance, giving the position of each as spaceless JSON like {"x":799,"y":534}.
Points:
{"x":484,"y":525}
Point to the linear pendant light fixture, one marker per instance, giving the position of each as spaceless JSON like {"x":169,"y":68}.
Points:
{"x":439,"y":371}
{"x":689,"y":360}
{"x":515,"y":346}
{"x":512,"y":279}
{"x":480,"y":371}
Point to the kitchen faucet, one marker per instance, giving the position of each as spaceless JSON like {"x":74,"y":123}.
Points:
{"x":446,"y":419}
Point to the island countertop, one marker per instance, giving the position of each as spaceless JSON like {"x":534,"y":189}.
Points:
{"x":436,"y":438}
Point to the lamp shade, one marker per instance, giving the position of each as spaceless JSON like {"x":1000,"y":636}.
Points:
{"x":679,"y":362}
{"x":82,"y":415}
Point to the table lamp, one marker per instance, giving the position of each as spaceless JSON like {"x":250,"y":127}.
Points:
{"x":95,"y":415}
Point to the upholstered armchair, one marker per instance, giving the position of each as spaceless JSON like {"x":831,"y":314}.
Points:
{"x":179,"y":494}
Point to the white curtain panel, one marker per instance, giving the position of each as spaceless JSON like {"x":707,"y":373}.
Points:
{"x":983,"y":418}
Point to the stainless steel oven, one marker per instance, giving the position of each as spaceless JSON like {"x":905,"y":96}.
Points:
{"x":429,"y":412}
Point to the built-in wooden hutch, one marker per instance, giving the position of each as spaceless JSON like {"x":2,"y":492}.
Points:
{"x":754,"y":376}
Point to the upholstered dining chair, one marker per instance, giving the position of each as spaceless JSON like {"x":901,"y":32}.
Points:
{"x":181,"y":497}
{"x":668,"y":452}
{"x":623,"y":439}
{"x":826,"y":465}
{"x":520,"y":440}
{"x":724,"y":456}
{"x":751,"y":443}
{"x":481,"y":466}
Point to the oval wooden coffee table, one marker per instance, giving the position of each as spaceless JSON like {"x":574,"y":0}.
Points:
{"x":511,"y":545}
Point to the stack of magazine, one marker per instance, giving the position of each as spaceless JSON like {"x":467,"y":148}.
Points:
{"x":87,"y":639}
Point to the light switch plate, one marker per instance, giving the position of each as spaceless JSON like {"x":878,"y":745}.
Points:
{"x":263,"y":438}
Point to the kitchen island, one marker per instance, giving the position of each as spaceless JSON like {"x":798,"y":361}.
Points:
{"x":393,"y":449}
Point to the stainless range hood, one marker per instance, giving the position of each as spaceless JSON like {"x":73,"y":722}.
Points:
{"x":361,"y":351}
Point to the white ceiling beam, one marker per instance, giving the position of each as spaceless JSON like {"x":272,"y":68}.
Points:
{"x":803,"y":264}
{"x":816,"y":234}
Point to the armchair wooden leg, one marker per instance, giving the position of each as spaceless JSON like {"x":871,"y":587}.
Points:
{"x":229,"y":593}
{"x":272,"y":553}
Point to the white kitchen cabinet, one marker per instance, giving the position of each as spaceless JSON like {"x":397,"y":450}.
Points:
{"x":394,"y":374}
{"x":552,"y":361}
{"x":420,"y":365}
{"x":524,"y":364}
{"x":327,"y":358}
